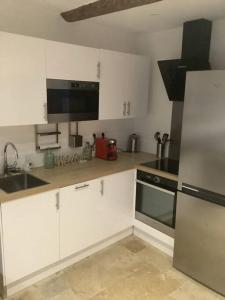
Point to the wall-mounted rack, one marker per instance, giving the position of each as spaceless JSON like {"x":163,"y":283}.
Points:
{"x":39,"y":133}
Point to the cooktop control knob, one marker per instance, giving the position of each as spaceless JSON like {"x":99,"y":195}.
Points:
{"x":156,"y":179}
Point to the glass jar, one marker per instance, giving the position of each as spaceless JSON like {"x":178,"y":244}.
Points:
{"x":49,"y":159}
{"x":87,"y":151}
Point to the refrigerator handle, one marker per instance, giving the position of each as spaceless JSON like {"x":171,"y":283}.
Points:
{"x":190,"y":188}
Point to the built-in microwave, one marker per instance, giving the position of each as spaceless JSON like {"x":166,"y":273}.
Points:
{"x":69,"y":100}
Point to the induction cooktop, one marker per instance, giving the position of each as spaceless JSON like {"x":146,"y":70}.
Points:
{"x":165,"y":164}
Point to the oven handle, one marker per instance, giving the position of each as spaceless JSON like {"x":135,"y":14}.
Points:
{"x":156,"y":187}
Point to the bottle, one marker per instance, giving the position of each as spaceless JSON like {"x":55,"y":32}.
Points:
{"x":49,"y":159}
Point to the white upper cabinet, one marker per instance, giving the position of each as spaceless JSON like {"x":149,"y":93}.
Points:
{"x":22,"y":80}
{"x":72,"y":62}
{"x":124,"y":85}
{"x":137,"y":86}
{"x":30,"y":234}
{"x":113,"y":78}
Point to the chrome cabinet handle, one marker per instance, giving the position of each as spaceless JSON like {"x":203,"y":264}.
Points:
{"x":124,"y":108}
{"x":57,"y":204}
{"x":99,"y":70}
{"x":128,"y":108}
{"x":45,"y":112}
{"x":80,"y":187}
{"x":102,"y":187}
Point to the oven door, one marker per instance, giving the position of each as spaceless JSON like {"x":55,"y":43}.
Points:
{"x":156,"y":206}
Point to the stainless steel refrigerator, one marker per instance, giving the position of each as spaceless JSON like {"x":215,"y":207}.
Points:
{"x":200,"y":221}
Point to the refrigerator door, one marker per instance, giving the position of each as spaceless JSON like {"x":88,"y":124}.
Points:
{"x":202,"y":160}
{"x":200,"y":241}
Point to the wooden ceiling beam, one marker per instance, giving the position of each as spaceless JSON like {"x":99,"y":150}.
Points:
{"x":102,"y":7}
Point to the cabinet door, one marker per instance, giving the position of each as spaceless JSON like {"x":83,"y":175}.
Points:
{"x":118,"y":202}
{"x":30,"y":234}
{"x":22,"y":80}
{"x":80,"y":221}
{"x":72,"y":62}
{"x":113,"y":71}
{"x":137,"y":87}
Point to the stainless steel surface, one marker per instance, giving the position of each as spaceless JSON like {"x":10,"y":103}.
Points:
{"x":200,"y":241}
{"x":8,"y":167}
{"x":133,"y":143}
{"x":156,"y":187}
{"x":155,"y":224}
{"x":202,"y":161}
{"x":102,"y":187}
{"x":200,"y":219}
{"x":156,"y":202}
{"x":128,"y":108}
{"x":20,"y":182}
{"x":57,"y":201}
{"x":75,"y":140}
{"x":61,"y":118}
{"x":99,"y":70}
{"x":124,"y":108}
{"x":159,"y":150}
{"x":81,"y":187}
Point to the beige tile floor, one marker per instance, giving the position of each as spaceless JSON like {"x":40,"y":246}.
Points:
{"x":128,"y":270}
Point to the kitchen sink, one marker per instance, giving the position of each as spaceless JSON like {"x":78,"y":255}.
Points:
{"x":15,"y":183}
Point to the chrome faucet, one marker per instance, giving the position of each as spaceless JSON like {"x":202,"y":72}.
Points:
{"x":8,"y":167}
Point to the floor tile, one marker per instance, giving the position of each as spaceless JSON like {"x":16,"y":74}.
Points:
{"x":130,"y":269}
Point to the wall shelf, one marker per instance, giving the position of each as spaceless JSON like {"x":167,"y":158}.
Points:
{"x":39,"y":133}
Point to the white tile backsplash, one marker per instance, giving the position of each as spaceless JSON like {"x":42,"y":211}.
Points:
{"x":24,"y":138}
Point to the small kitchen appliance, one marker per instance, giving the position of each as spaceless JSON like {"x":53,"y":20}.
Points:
{"x":106,"y":148}
{"x":69,"y":100}
{"x":133,"y":143}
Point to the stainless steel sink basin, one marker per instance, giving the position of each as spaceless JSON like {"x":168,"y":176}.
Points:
{"x":15,"y":183}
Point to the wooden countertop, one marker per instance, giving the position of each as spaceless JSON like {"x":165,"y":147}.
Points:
{"x":60,"y":177}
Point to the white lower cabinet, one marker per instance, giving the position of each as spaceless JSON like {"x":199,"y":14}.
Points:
{"x":80,"y":209}
{"x":117,"y":202}
{"x":93,"y":211}
{"x":43,"y":229}
{"x":30,"y":229}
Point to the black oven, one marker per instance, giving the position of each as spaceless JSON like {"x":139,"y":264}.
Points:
{"x":72,"y":100}
{"x":156,"y":202}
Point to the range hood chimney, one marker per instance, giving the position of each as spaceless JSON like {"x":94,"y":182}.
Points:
{"x":195,"y":57}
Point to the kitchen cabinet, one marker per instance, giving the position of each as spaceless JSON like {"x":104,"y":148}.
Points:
{"x":117,"y":202}
{"x":137,"y":86}
{"x":113,"y":76}
{"x":80,"y":211}
{"x":124,"y":85}
{"x":93,"y":211}
{"x":22,"y":80}
{"x":30,"y":234}
{"x":72,"y":62}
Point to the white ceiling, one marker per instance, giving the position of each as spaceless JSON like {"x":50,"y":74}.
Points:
{"x":149,"y":18}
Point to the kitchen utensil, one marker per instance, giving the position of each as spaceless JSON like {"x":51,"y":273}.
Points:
{"x":75,"y":140}
{"x":157,"y":137}
{"x":165,"y":138}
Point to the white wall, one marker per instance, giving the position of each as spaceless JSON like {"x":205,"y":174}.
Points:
{"x":167,"y":45}
{"x":36,"y":18}
{"x":23,"y":138}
